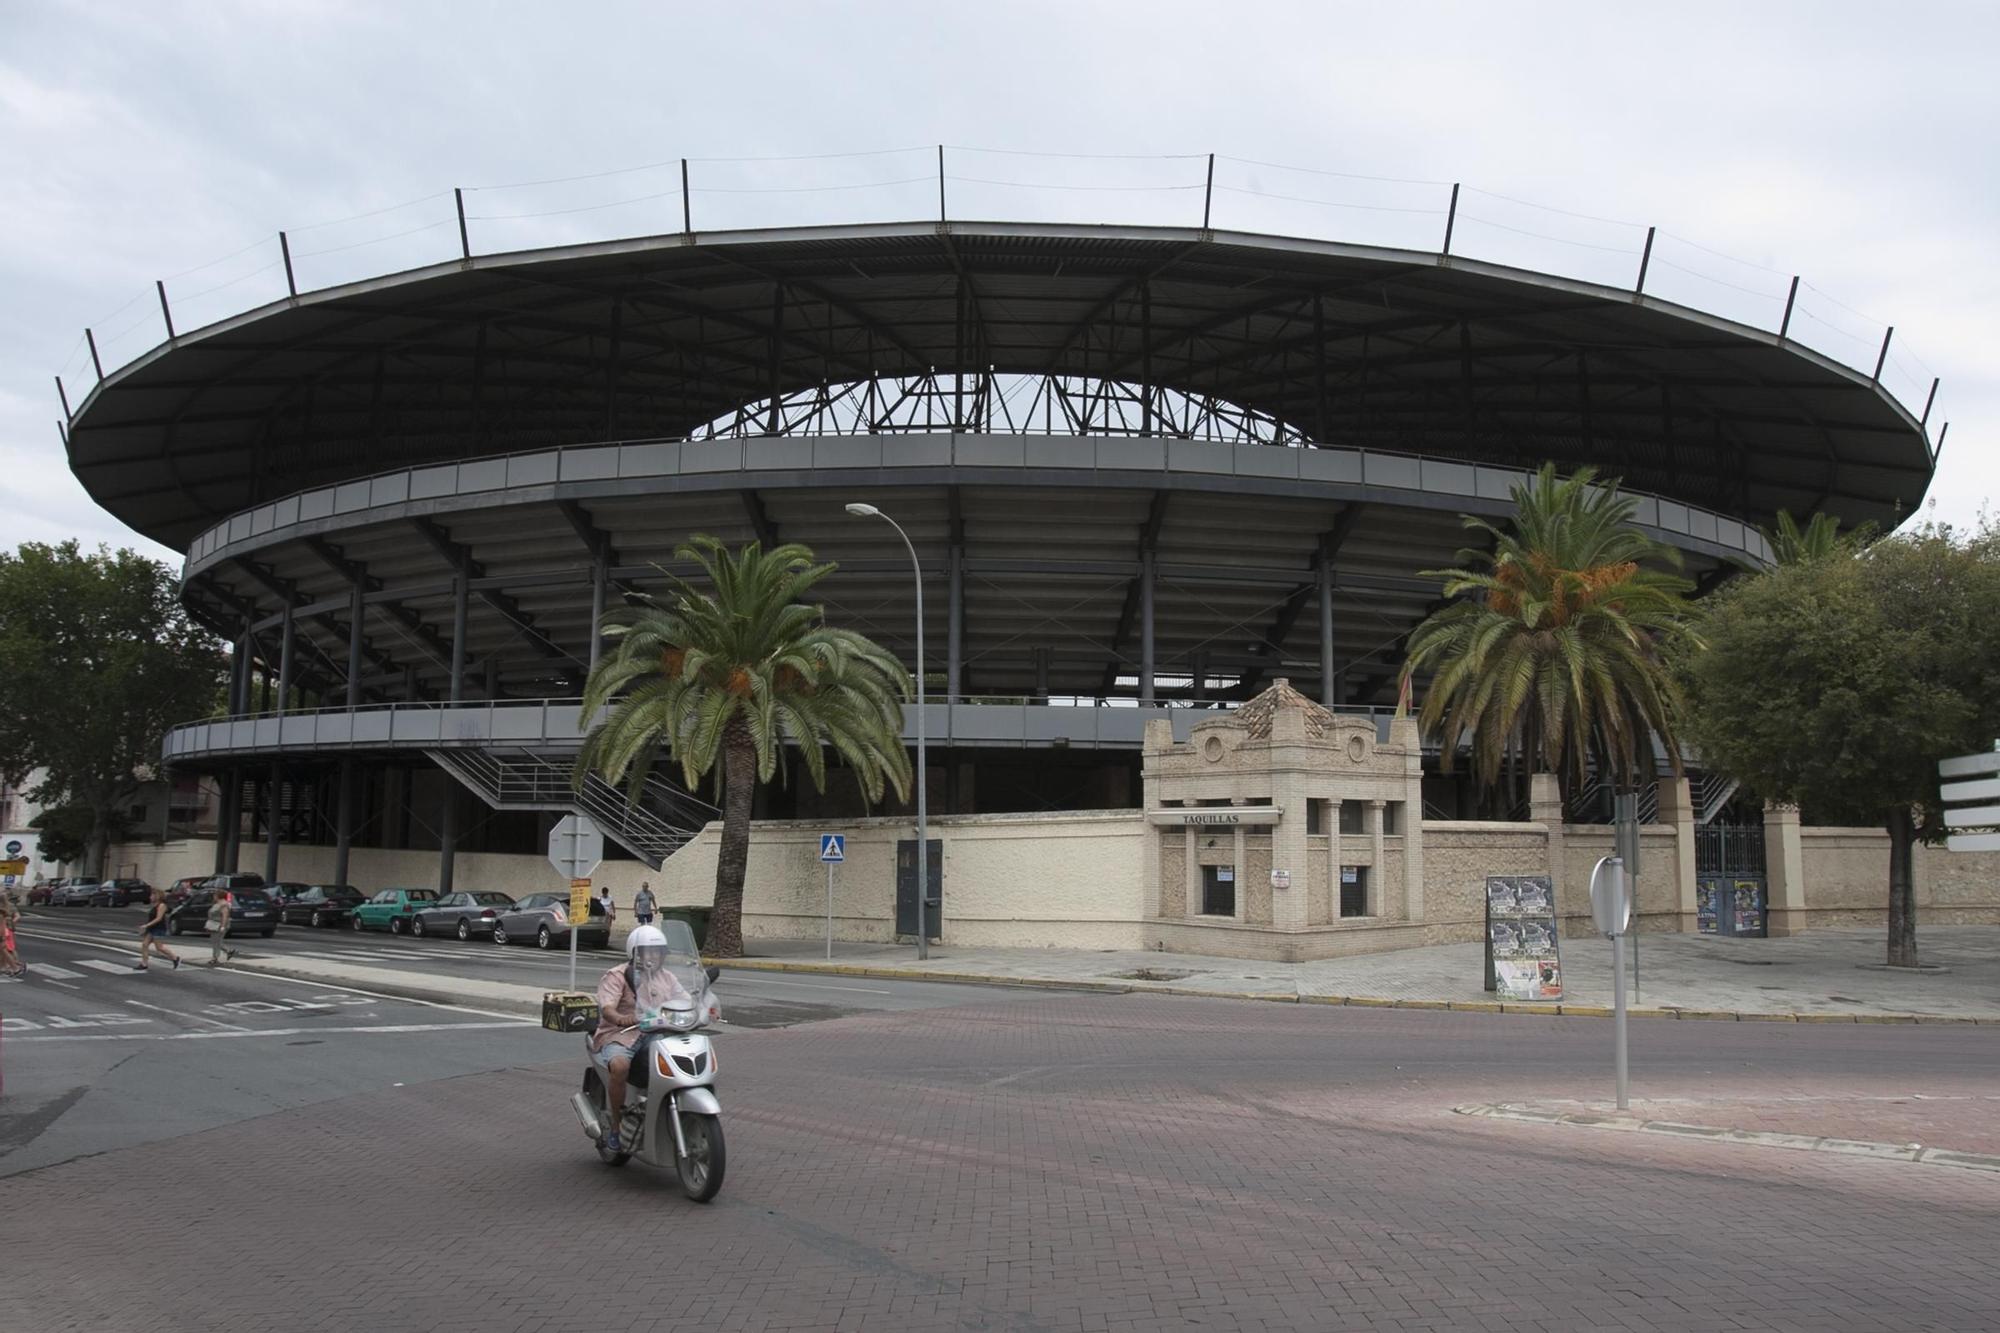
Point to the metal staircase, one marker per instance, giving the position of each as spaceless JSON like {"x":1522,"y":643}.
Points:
{"x":665,"y":817}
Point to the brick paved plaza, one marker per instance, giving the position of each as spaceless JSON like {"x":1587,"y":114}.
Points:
{"x":1069,"y":1162}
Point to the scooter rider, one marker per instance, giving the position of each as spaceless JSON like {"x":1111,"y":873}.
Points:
{"x":643,"y":983}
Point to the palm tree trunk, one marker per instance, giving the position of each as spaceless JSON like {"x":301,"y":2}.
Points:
{"x":1902,"y":890}
{"x":725,"y":923}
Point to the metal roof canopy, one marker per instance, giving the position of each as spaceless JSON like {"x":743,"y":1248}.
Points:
{"x":653,"y":338}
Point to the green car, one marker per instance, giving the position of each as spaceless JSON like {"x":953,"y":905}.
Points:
{"x":390,"y":909}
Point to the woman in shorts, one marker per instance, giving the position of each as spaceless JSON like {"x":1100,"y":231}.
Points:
{"x":10,"y":961}
{"x":153,"y":934}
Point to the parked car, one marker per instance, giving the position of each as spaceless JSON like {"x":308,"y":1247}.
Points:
{"x":282,"y":892}
{"x":234,"y":880}
{"x":252,"y":912}
{"x":181,"y":888}
{"x":463,"y":914}
{"x":122,"y":893}
{"x":39,"y":895}
{"x":544,"y":918}
{"x":77,"y":891}
{"x":320,"y":905}
{"x":390,"y":909}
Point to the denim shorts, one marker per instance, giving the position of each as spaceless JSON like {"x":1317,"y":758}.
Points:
{"x":611,"y":1050}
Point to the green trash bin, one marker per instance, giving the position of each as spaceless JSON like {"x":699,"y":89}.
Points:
{"x":697,"y":919}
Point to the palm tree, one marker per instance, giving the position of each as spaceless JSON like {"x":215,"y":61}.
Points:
{"x":1820,"y":537}
{"x":725,"y":679}
{"x":1553,"y":643}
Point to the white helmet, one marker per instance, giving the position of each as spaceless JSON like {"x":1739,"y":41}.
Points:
{"x":646,"y":948}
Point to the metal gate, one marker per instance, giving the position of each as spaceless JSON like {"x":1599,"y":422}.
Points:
{"x":906,"y":888}
{"x":1731,"y":892}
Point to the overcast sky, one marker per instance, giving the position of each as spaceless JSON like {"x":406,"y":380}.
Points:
{"x":1851,"y":143}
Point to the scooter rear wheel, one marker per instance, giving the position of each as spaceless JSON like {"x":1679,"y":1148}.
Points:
{"x":701,"y":1170}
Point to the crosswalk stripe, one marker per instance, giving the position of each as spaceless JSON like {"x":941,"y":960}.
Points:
{"x":104,"y":965}
{"x":51,"y":970}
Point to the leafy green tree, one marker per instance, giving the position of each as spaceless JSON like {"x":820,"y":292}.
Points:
{"x":1837,"y":685}
{"x":1553,"y":644}
{"x":97,"y":660}
{"x":722,"y":680}
{"x":65,"y":831}
{"x":1820,"y":537}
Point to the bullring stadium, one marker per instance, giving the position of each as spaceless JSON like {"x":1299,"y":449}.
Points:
{"x":1147,"y":471}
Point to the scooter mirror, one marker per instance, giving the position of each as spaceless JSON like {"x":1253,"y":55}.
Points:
{"x":714,"y":975}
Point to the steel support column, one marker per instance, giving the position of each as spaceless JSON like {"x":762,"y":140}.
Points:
{"x":287,"y":642}
{"x":232,"y":821}
{"x":598,"y":575}
{"x":454,"y":692}
{"x":954,"y":638}
{"x":1329,"y":689}
{"x":355,"y":611}
{"x":272,"y":798}
{"x":1146,"y":659}
{"x":343,"y":821}
{"x":239,"y":675}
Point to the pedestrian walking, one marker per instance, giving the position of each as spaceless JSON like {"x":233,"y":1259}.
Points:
{"x":610,"y":908}
{"x":153,"y":934}
{"x":10,"y":958}
{"x":643,"y":904}
{"x":219,"y":908}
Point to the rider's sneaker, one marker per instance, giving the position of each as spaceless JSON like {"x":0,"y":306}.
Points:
{"x":610,"y":1142}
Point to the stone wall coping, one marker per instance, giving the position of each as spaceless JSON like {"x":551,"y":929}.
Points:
{"x":814,"y":827}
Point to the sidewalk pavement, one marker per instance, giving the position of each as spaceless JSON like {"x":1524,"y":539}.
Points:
{"x":1820,"y":976}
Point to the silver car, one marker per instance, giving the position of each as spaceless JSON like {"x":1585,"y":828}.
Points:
{"x":544,"y":919}
{"x":464,"y":914}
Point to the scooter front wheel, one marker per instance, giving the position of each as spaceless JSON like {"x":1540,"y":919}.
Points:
{"x":701,"y":1170}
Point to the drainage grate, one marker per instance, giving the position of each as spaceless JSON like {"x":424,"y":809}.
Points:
{"x":1152,"y":974}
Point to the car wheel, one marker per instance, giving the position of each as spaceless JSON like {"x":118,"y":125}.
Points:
{"x":464,"y":929}
{"x":268,"y":932}
{"x":318,"y":919}
{"x":417,"y":926}
{"x":544,"y":940}
{"x":395,"y":925}
{"x":357,"y":922}
{"x":499,"y":934}
{"x":173,"y":926}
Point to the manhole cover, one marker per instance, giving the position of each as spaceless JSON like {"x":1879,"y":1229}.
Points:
{"x":1152,"y":974}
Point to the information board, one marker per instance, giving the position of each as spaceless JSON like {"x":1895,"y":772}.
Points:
{"x":1523,"y":942}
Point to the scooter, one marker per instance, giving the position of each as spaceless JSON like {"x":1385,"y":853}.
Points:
{"x":672,"y":1117}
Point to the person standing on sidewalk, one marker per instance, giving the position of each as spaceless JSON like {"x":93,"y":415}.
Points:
{"x":609,"y":908}
{"x":643,"y":904}
{"x":153,"y":934}
{"x":219,"y":908}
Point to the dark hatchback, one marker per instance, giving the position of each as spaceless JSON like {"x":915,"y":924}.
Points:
{"x":253,"y":912}
{"x":320,"y":905}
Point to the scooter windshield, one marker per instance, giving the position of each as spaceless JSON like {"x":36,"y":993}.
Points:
{"x":670,"y":984}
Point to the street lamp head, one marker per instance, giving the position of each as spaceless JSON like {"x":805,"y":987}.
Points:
{"x":860,"y":510}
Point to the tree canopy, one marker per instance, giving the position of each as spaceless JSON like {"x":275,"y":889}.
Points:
{"x":1552,"y":643}
{"x":1837,"y":682}
{"x":97,"y":660}
{"x":721,"y":680}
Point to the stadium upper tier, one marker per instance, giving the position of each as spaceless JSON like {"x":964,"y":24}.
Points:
{"x":988,"y":329}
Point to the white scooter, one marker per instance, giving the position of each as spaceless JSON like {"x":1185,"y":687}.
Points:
{"x":672,"y":1117}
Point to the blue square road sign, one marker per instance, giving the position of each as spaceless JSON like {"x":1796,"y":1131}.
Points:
{"x":832,"y":847}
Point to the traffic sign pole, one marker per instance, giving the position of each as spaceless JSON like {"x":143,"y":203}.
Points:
{"x":575,"y":848}
{"x":1611,"y":910}
{"x":832,"y":850}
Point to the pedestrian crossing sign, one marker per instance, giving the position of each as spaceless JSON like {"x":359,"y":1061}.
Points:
{"x":832,"y":847}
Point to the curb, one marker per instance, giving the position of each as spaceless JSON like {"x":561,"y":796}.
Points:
{"x":1899,"y":1152}
{"x":1353,"y":1001}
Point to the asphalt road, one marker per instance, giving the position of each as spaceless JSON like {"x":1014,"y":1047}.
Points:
{"x":1004,"y":1160}
{"x":750,"y":999}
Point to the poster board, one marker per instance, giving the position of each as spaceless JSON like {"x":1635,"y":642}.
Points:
{"x":1523,"y":940}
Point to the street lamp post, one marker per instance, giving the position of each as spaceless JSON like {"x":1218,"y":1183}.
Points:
{"x":923,"y":840}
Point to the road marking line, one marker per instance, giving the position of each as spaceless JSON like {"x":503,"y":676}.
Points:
{"x":162,"y":1009}
{"x":389,"y":1029}
{"x":378,"y":995}
{"x":52,"y":971}
{"x":105,"y":965}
